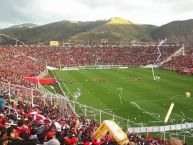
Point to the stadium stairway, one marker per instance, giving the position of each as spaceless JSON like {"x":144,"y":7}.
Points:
{"x":179,"y":52}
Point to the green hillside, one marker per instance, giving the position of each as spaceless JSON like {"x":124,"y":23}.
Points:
{"x":113,"y":29}
{"x":117,"y":30}
{"x":55,"y":31}
{"x":176,"y":31}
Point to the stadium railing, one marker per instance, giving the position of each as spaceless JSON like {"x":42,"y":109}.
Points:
{"x":74,"y":107}
{"x":18,"y":92}
{"x":161,"y":128}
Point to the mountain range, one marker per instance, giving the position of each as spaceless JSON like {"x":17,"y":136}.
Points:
{"x":115,"y":31}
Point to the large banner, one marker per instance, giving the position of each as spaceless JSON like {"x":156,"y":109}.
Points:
{"x":42,"y":81}
{"x":161,"y":128}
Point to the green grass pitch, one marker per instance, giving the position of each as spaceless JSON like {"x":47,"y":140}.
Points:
{"x":132,"y":93}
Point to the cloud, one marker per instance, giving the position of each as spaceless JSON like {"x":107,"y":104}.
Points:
{"x":142,"y":11}
{"x":17,"y":10}
{"x":99,"y":3}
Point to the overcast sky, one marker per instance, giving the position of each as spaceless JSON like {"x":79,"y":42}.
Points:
{"x":156,"y":12}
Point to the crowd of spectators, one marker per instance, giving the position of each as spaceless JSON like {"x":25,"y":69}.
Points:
{"x":18,"y":62}
{"x":62,"y":56}
{"x":144,"y":55}
{"x":135,"y":55}
{"x":14,"y":65}
{"x":45,"y":124}
{"x":180,"y":62}
{"x":57,"y":127}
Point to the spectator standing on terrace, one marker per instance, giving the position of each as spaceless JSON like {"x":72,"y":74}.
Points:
{"x":2,"y":102}
{"x":3,"y":136}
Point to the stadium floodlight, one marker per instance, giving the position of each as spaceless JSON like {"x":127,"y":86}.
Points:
{"x":156,"y":77}
{"x":169,"y":113}
{"x":16,"y":40}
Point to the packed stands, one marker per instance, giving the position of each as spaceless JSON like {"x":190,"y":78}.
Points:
{"x":42,"y":122}
{"x":14,"y":65}
{"x":24,"y":61}
{"x":108,"y":55}
{"x":144,"y":55}
{"x":181,"y":63}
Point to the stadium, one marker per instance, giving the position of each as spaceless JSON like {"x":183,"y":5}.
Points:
{"x":85,"y":85}
{"x":96,"y":72}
